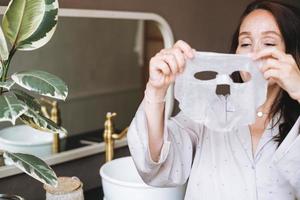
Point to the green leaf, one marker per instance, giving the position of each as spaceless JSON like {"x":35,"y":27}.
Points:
{"x":29,"y":24}
{"x":37,"y":121}
{"x":29,"y":100}
{"x":22,"y":19}
{"x":33,"y":166}
{"x":44,"y":83}
{"x":45,"y":30}
{"x":11,"y":108}
{"x":7,"y":84}
{"x":3,"y":47}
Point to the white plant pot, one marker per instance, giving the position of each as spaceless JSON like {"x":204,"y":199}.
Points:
{"x":24,"y":139}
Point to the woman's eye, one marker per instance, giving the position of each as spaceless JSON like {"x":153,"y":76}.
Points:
{"x":245,"y":45}
{"x":270,"y":44}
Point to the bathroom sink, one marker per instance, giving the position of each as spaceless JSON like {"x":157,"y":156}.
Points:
{"x":24,"y":139}
{"x":121,"y":181}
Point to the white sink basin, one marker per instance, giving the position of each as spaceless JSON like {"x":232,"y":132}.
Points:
{"x":24,"y":139}
{"x":121,"y":181}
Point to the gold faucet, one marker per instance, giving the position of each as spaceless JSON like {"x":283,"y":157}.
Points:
{"x":55,"y":117}
{"x":110,"y":136}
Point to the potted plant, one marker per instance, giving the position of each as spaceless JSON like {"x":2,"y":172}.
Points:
{"x":28,"y":25}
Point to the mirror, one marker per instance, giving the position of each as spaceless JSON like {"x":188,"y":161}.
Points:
{"x":103,"y":58}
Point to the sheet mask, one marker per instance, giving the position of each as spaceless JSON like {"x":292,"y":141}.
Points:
{"x":202,"y":101}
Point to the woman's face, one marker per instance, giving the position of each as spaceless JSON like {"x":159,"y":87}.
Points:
{"x":259,"y":30}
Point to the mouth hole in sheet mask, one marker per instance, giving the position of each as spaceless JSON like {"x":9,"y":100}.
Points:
{"x":206,"y":75}
{"x":246,"y":76}
{"x":223,"y":90}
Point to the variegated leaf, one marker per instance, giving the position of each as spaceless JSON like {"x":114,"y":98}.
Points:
{"x":29,"y":24}
{"x":33,"y":166}
{"x":45,"y":30}
{"x":21,"y":19}
{"x":44,"y":83}
{"x":37,"y":121}
{"x":7,"y":84}
{"x":11,"y":108}
{"x":3,"y":47}
{"x":29,"y":100}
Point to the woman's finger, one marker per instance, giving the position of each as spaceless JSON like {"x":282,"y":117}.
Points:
{"x":179,"y":58}
{"x":270,"y":52}
{"x":171,"y":61}
{"x":272,"y":73}
{"x":170,"y":78}
{"x":270,"y":63}
{"x":185,"y":48}
{"x":157,"y":64}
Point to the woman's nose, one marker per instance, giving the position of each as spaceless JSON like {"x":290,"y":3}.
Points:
{"x":256,"y":48}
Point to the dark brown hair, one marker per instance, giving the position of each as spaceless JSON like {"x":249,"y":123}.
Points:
{"x":288,"y":20}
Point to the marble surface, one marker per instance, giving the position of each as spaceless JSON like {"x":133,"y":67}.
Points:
{"x":86,"y":169}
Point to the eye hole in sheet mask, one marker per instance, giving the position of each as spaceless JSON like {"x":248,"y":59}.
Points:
{"x":246,"y":76}
{"x":206,"y":75}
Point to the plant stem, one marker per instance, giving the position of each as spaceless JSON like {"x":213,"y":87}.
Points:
{"x":6,"y":65}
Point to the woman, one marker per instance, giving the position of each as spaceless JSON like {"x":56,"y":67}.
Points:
{"x":259,"y":161}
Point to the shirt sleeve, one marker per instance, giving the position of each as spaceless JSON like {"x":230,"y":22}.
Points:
{"x":287,"y":158}
{"x":174,"y":164}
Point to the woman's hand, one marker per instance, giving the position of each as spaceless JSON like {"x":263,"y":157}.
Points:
{"x":164,"y":67}
{"x":166,"y":64}
{"x":281,"y":68}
